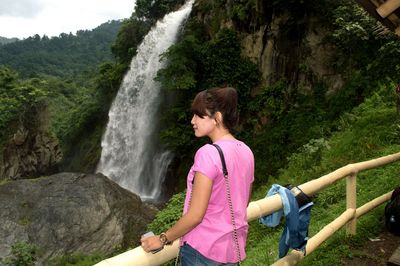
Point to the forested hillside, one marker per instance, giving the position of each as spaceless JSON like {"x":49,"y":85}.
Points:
{"x":52,"y":81}
{"x":4,"y":40}
{"x":70,"y":82}
{"x":63,"y":56}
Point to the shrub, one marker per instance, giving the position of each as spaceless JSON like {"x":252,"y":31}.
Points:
{"x":23,"y":254}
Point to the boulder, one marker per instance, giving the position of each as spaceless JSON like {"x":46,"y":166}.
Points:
{"x":70,"y":213}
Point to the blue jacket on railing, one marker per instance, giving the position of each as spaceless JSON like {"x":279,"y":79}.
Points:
{"x":295,"y":233}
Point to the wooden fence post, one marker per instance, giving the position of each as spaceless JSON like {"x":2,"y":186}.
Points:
{"x":388,"y":8}
{"x":351,"y":201}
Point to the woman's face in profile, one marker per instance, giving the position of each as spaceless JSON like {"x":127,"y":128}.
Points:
{"x":203,"y":126}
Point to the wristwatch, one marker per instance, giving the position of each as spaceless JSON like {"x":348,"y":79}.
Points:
{"x":164,"y":240}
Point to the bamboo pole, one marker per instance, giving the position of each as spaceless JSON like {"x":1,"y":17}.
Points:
{"x":388,"y":8}
{"x":138,"y":257}
{"x":296,"y":256}
{"x":397,"y":31}
{"x":315,"y":185}
{"x":329,"y":230}
{"x":262,"y":207}
{"x":351,"y":201}
{"x":255,"y":210}
{"x":373,"y":204}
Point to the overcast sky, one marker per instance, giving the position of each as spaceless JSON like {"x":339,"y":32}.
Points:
{"x":24,"y":18}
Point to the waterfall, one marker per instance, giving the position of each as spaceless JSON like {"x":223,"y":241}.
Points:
{"x":131,"y":154}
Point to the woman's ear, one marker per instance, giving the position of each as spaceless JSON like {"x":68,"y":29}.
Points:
{"x":218,"y":118}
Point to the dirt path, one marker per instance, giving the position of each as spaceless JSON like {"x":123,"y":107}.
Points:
{"x":375,"y":252}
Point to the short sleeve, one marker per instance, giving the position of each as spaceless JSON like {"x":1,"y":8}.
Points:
{"x":205,"y":161}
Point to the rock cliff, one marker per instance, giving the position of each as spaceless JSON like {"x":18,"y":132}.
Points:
{"x":70,"y":213}
{"x":286,"y":42}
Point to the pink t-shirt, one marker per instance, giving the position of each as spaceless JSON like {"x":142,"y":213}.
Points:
{"x":213,"y":236}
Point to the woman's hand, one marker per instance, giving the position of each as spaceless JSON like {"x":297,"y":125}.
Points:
{"x":151,"y":244}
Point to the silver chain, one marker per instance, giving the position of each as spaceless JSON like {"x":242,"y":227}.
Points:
{"x":234,"y":234}
{"x":228,"y":195}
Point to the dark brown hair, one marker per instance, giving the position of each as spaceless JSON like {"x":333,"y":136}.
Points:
{"x":218,"y":99}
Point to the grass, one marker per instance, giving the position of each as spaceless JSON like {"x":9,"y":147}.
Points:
{"x":77,"y":259}
{"x":369,"y":132}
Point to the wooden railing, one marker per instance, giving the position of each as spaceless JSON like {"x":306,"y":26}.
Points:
{"x":350,"y":215}
{"x":266,"y":206}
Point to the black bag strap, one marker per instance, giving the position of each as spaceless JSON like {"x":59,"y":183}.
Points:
{"x":221,"y":154}
{"x":229,"y":198}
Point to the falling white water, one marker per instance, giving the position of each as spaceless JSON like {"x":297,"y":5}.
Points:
{"x":131,"y":155}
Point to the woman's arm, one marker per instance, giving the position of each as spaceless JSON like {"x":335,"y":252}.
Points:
{"x":201,"y":193}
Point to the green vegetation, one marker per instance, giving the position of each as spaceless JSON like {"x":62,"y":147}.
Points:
{"x":59,"y":92}
{"x":64,"y":56}
{"x":129,"y":37}
{"x":4,"y":40}
{"x":19,"y":101}
{"x":366,"y":133}
{"x":169,"y":215}
{"x":71,"y":80}
{"x":76,"y":259}
{"x":23,"y":254}
{"x":282,"y":117}
{"x":155,"y":10}
{"x":207,"y":64}
{"x":371,"y":130}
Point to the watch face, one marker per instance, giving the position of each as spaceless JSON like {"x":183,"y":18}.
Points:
{"x":163,"y":238}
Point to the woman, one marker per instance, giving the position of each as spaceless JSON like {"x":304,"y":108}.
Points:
{"x":206,"y":228}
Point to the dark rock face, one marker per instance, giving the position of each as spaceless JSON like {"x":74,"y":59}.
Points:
{"x":70,"y":213}
{"x":29,"y":155}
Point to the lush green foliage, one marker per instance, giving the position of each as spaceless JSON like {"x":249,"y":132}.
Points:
{"x":155,"y":10}
{"x":87,"y":109}
{"x":284,"y":118}
{"x":4,"y":40}
{"x":277,"y":121}
{"x":170,"y":214}
{"x":82,"y":111}
{"x":364,"y":45}
{"x":64,"y":56}
{"x":23,"y":254}
{"x":66,"y":108}
{"x":183,"y":60}
{"x":207,"y":64}
{"x":242,"y":10}
{"x":129,"y":37}
{"x":281,"y":119}
{"x":76,"y":259}
{"x":19,"y":100}
{"x":79,"y":77}
{"x":136,"y":27}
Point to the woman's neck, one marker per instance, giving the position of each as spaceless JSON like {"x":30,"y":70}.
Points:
{"x":221,"y":135}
